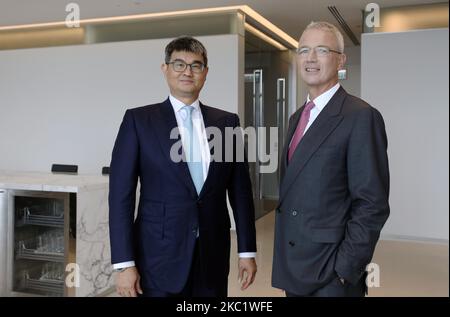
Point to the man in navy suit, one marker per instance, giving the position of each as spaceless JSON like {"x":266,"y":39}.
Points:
{"x":179,"y":243}
{"x":334,"y":184}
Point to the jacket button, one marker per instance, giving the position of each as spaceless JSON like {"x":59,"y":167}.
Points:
{"x":291,"y":243}
{"x":199,"y":203}
{"x":294,"y":213}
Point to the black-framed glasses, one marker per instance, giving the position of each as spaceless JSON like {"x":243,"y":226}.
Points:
{"x":180,"y":66}
{"x":320,"y":51}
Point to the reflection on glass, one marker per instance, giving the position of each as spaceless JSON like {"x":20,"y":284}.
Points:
{"x":39,"y":239}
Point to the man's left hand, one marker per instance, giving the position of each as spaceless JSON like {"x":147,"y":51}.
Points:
{"x":247,"y":272}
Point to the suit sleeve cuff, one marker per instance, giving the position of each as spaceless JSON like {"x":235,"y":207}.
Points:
{"x":247,"y":255}
{"x":350,"y":274}
{"x":123,"y":265}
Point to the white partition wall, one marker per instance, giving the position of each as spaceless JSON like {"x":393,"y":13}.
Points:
{"x":406,"y":76}
{"x":65,"y":104}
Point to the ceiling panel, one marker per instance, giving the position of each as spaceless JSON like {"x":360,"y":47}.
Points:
{"x":290,"y":15}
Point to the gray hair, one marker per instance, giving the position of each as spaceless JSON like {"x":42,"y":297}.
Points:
{"x":186,"y":44}
{"x":325,"y":26}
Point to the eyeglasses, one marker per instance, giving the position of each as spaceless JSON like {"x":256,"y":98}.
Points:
{"x":320,"y":51}
{"x":180,"y":66}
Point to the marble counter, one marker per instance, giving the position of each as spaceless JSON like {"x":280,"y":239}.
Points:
{"x":52,"y":182}
{"x":92,"y":249}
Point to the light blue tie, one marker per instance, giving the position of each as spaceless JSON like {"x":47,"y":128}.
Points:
{"x":192,"y":150}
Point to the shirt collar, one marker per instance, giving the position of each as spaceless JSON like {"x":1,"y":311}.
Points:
{"x":178,"y":105}
{"x":321,"y":101}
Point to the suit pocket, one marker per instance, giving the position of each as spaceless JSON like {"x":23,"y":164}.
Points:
{"x":153,"y":211}
{"x":152,"y":215}
{"x":326,"y":150}
{"x":326,"y":153}
{"x":327,"y":235}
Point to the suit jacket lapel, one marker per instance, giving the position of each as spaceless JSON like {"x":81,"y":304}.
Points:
{"x":291,"y":129}
{"x":164,"y":121}
{"x":325,"y":123}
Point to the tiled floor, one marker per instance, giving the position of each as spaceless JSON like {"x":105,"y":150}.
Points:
{"x":406,"y":268}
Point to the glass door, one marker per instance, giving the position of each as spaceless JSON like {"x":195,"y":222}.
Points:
{"x":266,"y":102}
{"x":282,"y":118}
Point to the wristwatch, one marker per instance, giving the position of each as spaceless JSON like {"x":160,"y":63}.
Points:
{"x":119,"y":270}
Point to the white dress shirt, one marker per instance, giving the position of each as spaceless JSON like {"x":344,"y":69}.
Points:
{"x":199,"y":126}
{"x":320,"y":103}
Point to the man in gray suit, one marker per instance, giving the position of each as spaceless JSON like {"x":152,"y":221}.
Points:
{"x":334,"y":180}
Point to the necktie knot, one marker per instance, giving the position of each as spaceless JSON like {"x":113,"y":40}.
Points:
{"x":188,"y":110}
{"x":309,"y":106}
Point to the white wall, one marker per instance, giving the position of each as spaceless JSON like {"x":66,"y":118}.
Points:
{"x":353,"y":65}
{"x":65,"y":104}
{"x":406,"y":76}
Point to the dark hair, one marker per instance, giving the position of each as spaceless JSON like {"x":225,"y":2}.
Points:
{"x":186,"y":44}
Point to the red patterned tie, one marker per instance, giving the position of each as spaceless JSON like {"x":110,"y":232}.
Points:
{"x":303,"y":122}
